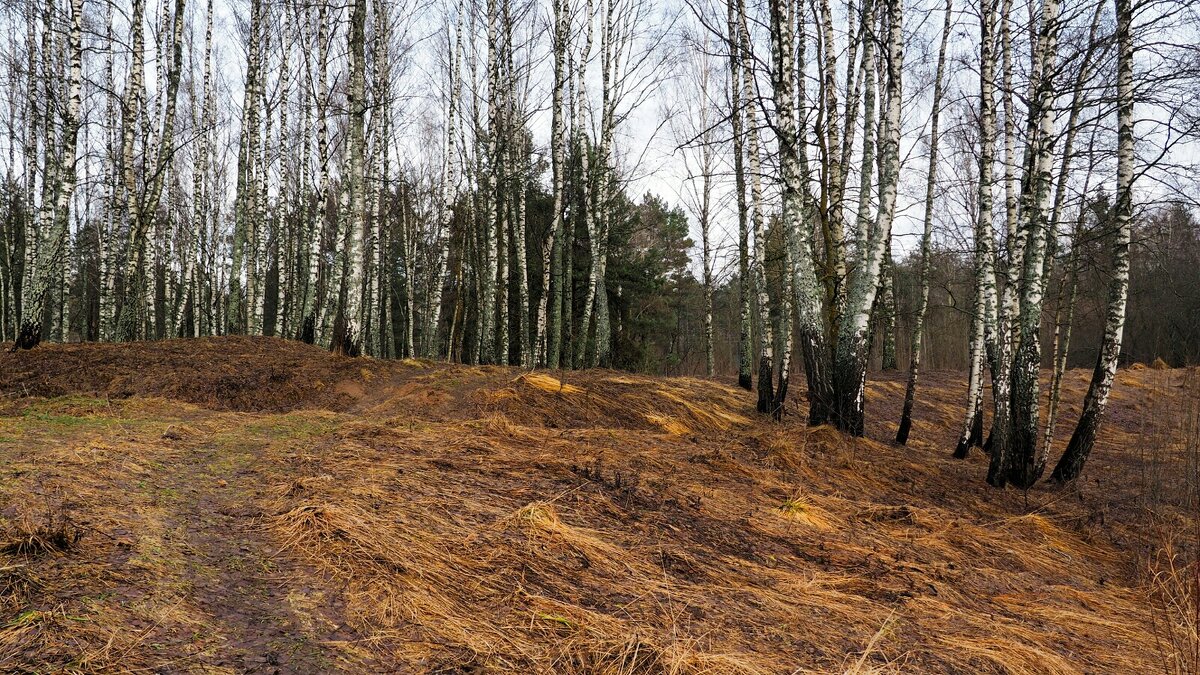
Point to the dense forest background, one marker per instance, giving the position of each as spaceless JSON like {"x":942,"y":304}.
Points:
{"x":657,"y":299}
{"x":1163,"y":319}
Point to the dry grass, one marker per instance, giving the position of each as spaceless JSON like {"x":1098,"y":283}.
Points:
{"x":29,"y":535}
{"x":1170,"y":483}
{"x":1175,"y":597}
{"x":433,"y":518}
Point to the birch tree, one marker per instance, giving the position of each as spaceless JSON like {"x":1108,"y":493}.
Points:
{"x":1062,"y":334}
{"x":801,"y":273}
{"x":985,"y":305}
{"x":851,"y":356}
{"x":831,"y":216}
{"x":766,"y":334}
{"x":1023,"y":461}
{"x":586,"y":178}
{"x":237,"y":310}
{"x":129,"y":312}
{"x":190,"y":257}
{"x":914,"y":362}
{"x":695,"y":131}
{"x":487,"y":309}
{"x":1084,"y":437}
{"x":54,"y":217}
{"x":348,"y":338}
{"x":736,"y":118}
{"x":549,"y":316}
{"x":449,"y":189}
{"x":316,"y":277}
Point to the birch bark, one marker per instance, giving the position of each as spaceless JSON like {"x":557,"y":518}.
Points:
{"x":549,"y":328}
{"x":128,"y":322}
{"x":348,"y":338}
{"x":314,"y":291}
{"x":736,"y":117}
{"x":1084,"y":437}
{"x":449,"y":195}
{"x":236,"y":308}
{"x":851,"y":356}
{"x":914,"y":363}
{"x":188,"y":296}
{"x":54,"y":215}
{"x":801,"y":275}
{"x":487,"y":304}
{"x":984,"y":314}
{"x":1024,"y":463}
{"x":766,"y":334}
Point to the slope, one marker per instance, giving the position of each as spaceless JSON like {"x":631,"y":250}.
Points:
{"x":257,"y":505}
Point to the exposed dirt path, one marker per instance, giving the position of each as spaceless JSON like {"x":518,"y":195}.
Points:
{"x":235,"y":575}
{"x":174,"y":551}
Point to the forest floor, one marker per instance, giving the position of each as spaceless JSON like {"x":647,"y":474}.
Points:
{"x":234,"y":505}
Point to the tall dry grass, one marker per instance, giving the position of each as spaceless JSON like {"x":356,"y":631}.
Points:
{"x":1173,"y":570}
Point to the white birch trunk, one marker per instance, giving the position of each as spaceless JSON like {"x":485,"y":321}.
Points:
{"x":583,"y":147}
{"x":736,"y":117}
{"x":853,"y":335}
{"x":802,"y":282}
{"x":487,"y":303}
{"x":54,"y":215}
{"x":129,"y":321}
{"x":1025,"y":466}
{"x":236,"y":308}
{"x":1059,"y":356}
{"x":1008,"y":308}
{"x":766,"y":334}
{"x":107,"y":320}
{"x":349,"y":339}
{"x":547,"y":343}
{"x":449,"y":195}
{"x":310,"y":329}
{"x":985,"y":308}
{"x":191,"y":250}
{"x":914,"y":362}
{"x":524,"y":350}
{"x":832,"y":222}
{"x":260,"y":230}
{"x":1072,"y":462}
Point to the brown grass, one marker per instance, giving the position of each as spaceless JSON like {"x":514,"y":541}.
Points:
{"x":416,"y":517}
{"x":28,"y":535}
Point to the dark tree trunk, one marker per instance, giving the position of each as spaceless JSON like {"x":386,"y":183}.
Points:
{"x":906,"y":416}
{"x":29,"y":336}
{"x":1084,"y":437}
{"x":765,"y":384}
{"x":820,"y":391}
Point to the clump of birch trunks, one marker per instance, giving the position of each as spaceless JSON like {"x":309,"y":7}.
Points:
{"x":256,"y":505}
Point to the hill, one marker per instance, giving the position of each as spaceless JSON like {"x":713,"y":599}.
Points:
{"x":256,"y":505}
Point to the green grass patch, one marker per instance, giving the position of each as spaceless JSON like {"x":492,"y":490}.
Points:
{"x":301,"y":424}
{"x":66,"y":413}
